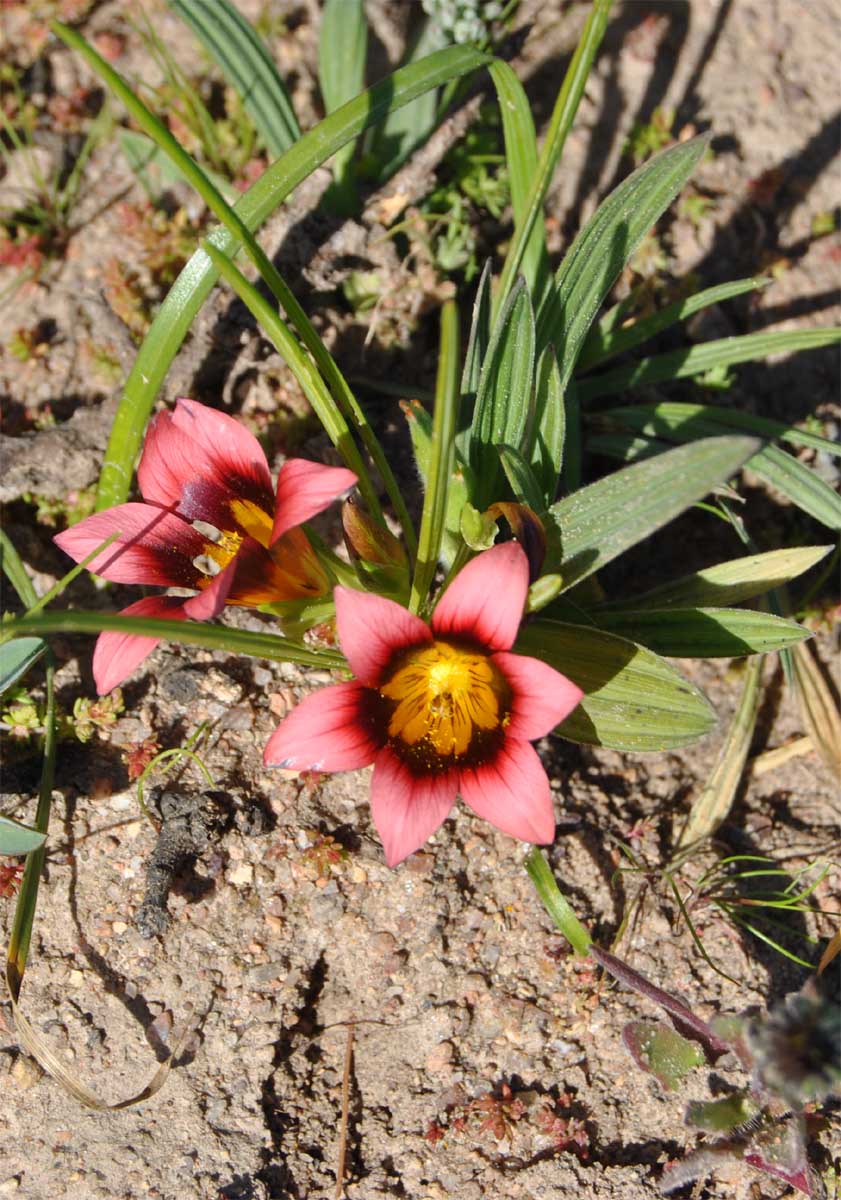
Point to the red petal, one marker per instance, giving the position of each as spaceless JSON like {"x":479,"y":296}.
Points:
{"x":371,"y":631}
{"x":231,"y":451}
{"x":118,"y":654}
{"x":153,"y":546}
{"x":512,"y":792}
{"x":325,"y":732}
{"x":407,"y":809}
{"x":485,"y":601}
{"x":541,"y":696}
{"x":213,"y":598}
{"x":304,"y":489}
{"x":169,"y":461}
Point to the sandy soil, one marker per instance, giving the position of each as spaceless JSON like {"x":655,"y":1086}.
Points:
{"x":446,"y":969}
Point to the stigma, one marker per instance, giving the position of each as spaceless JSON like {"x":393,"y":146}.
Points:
{"x":446,"y":705}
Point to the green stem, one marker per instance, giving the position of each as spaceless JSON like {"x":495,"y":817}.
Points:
{"x":556,"y":904}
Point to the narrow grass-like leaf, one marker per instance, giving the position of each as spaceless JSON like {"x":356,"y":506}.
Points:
{"x":15,"y":571}
{"x":190,"y":633}
{"x":156,"y":170}
{"x":633,"y":699}
{"x":193,"y":285}
{"x":604,"y":519}
{"x":704,"y":632}
{"x":817,"y":708}
{"x":458,"y":488}
{"x":16,"y":658}
{"x":522,"y":161}
{"x":610,"y":337}
{"x":504,"y":397}
{"x":404,"y":129}
{"x":563,"y":115}
{"x":607,"y":241}
{"x":18,"y":839}
{"x":547,"y":443}
{"x":710,"y":420}
{"x":697,"y":360}
{"x":247,"y":65}
{"x":555,"y":903}
{"x":342,"y":50}
{"x":524,"y":483}
{"x":480,"y":335}
{"x":440,"y":463}
{"x":727,"y":583}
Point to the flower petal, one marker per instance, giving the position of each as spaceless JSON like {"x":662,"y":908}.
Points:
{"x":213,"y":598}
{"x":304,"y":489}
{"x":154,"y":546}
{"x":232,"y":452}
{"x":407,"y":808}
{"x":328,"y":731}
{"x":372,"y":630}
{"x":541,"y":696}
{"x":512,"y":792}
{"x":485,"y":601}
{"x":170,"y":460}
{"x":116,"y":655}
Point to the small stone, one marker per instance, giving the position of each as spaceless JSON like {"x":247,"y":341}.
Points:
{"x":243,"y":875}
{"x":25,"y":1073}
{"x":119,"y":926}
{"x":75,"y":979}
{"x":440,"y":1058}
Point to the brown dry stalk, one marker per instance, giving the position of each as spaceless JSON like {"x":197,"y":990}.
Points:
{"x":340,"y":1165}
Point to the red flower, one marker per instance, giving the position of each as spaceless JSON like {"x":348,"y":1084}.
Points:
{"x":439,"y":709}
{"x":211,"y":521}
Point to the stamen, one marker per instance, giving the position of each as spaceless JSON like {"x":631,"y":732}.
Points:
{"x":208,"y":531}
{"x":207,"y":565}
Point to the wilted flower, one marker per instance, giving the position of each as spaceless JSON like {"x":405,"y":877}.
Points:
{"x":210,"y":521}
{"x":439,"y":709}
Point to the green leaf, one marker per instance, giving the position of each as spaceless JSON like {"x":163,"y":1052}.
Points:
{"x":697,"y":360}
{"x":709,"y":420}
{"x":18,"y":839}
{"x":480,"y":335}
{"x":563,"y":115}
{"x":247,"y":65}
{"x":17,"y":657}
{"x":600,"y":521}
{"x":704,"y":632}
{"x":195,"y":282}
{"x":663,"y":1052}
{"x":15,"y":571}
{"x":190,"y":633}
{"x":610,"y":337}
{"x":547,"y":444}
{"x":633,"y":700}
{"x":440,"y":461}
{"x":727,"y":583}
{"x":458,"y":488}
{"x":608,"y":240}
{"x":504,"y":397}
{"x":522,"y":161}
{"x":724,"y":1115}
{"x":524,"y":483}
{"x":342,"y":51}
{"x":403,"y":129}
{"x":156,"y":170}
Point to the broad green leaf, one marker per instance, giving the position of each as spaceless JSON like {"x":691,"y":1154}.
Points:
{"x":697,"y":360}
{"x":18,"y":839}
{"x":17,"y":657}
{"x":156,"y":170}
{"x":504,"y":398}
{"x":724,"y":1115}
{"x":563,"y":115}
{"x":709,"y":420}
{"x":342,"y":51}
{"x":440,"y":462}
{"x":521,"y":158}
{"x":524,"y":484}
{"x":610,"y":237}
{"x":633,"y":700}
{"x":662,"y":1051}
{"x":610,"y":337}
{"x":191,"y":633}
{"x":547,"y":442}
{"x":480,"y":335}
{"x":728,"y":583}
{"x":247,"y":65}
{"x":704,"y":632}
{"x":195,"y":282}
{"x":600,"y":521}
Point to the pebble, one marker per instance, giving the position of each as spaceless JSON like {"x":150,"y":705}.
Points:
{"x":25,"y":1073}
{"x":241,"y":875}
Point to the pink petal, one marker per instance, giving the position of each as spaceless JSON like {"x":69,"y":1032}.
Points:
{"x":226,"y":444}
{"x":485,"y":601}
{"x":116,"y":655}
{"x":512,"y":792}
{"x":542,"y":696}
{"x":327,"y":731}
{"x":170,"y":460}
{"x":372,"y":630}
{"x":213,"y":598}
{"x":153,"y":546}
{"x":407,"y":809}
{"x":304,"y":489}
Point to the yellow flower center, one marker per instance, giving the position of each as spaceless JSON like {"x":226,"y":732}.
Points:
{"x":446,"y":706}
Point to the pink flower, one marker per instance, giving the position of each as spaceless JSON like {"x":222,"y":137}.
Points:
{"x":210,"y":521}
{"x":439,"y":709}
